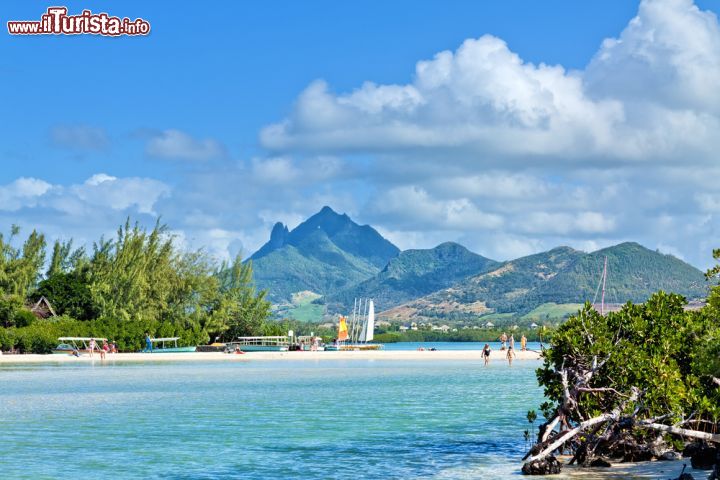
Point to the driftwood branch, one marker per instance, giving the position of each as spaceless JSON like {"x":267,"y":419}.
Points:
{"x":549,"y":429}
{"x":710,"y":437}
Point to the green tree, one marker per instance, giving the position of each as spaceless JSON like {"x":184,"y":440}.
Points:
{"x":241,"y":309}
{"x":69,"y":294}
{"x":20,"y":267}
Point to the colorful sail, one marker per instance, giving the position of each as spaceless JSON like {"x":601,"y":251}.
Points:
{"x":342,"y":330}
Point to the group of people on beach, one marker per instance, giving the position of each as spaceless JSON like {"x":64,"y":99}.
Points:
{"x":106,"y":347}
{"x":508,"y":343}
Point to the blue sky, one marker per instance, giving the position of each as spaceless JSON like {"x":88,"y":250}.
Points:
{"x":527,"y":133}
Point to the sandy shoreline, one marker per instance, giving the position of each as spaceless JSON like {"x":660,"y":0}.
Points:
{"x":394,"y":355}
{"x":625,"y":471}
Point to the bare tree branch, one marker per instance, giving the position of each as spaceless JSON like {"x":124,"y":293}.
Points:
{"x":550,"y":427}
{"x":710,"y":437}
{"x":600,"y":389}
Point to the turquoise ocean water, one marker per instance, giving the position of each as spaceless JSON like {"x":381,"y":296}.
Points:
{"x":305,"y":419}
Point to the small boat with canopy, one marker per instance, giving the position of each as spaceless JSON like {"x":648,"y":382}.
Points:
{"x":168,"y":345}
{"x":278,"y":343}
{"x":81,"y":345}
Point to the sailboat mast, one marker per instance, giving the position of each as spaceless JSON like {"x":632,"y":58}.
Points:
{"x":602,"y":298}
{"x":352,"y":324}
{"x":359,"y":322}
{"x":363,"y":327}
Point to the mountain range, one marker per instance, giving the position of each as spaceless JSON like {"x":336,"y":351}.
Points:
{"x":333,"y":260}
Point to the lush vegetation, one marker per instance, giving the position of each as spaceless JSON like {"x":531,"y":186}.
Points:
{"x":657,"y":347}
{"x":137,"y":282}
{"x":645,"y":369}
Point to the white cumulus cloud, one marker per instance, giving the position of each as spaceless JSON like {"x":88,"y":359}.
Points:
{"x":23,"y":192}
{"x":535,"y":155}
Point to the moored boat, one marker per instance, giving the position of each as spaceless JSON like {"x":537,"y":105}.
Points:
{"x":280,"y":343}
{"x":162,"y":346}
{"x":81,"y":345}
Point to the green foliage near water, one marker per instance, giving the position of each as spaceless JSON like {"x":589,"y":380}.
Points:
{"x":137,"y":282}
{"x":657,"y":347}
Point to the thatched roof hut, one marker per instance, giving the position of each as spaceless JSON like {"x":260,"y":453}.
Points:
{"x":43,"y":309}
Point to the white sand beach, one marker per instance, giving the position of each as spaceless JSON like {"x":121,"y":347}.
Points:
{"x":395,"y":355}
{"x":638,"y":470}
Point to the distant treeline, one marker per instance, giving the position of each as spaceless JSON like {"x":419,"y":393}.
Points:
{"x":466,"y":335}
{"x":137,"y":282}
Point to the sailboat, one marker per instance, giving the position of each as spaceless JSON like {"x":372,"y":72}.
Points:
{"x":601,"y":288}
{"x":361,"y":329}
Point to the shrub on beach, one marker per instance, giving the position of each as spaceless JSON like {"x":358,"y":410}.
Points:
{"x":42,"y":336}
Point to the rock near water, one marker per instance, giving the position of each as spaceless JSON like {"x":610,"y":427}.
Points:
{"x":704,"y":458}
{"x":547,"y":466}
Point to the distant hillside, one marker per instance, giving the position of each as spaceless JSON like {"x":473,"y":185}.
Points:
{"x":559,"y":276}
{"x":326,"y":253}
{"x":412,"y":274}
{"x":634,"y":273}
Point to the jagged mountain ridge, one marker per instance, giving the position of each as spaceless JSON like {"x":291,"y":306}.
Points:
{"x":324,"y":254}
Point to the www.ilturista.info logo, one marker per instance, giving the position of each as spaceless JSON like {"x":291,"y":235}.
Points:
{"x":57,"y":22}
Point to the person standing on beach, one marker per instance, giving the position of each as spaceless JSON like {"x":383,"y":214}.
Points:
{"x":148,"y":342}
{"x":503,"y":339}
{"x":91,"y":346}
{"x":512,"y":340}
{"x":509,"y":355}
{"x":486,"y":353}
{"x":523,"y":343}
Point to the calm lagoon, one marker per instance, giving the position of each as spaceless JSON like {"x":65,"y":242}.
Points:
{"x":328,"y":419}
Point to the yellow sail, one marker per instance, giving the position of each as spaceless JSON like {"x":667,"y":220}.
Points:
{"x":342,"y":330}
